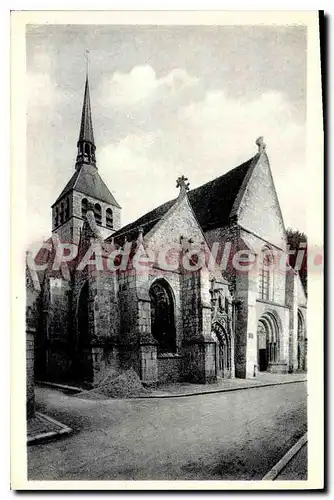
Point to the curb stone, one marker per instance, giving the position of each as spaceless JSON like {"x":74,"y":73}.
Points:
{"x":64,"y":429}
{"x":274,"y":471}
{"x":214,"y":391}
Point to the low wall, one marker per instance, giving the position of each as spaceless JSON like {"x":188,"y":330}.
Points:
{"x":278,"y":368}
{"x":170,"y":369}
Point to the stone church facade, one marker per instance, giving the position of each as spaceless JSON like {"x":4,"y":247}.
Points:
{"x":176,"y":315}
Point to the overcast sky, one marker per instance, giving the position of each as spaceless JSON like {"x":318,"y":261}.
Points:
{"x":165,"y":101}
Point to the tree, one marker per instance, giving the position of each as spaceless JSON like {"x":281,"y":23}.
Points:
{"x":295,"y":238}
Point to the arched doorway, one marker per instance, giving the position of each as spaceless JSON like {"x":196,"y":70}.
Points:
{"x":301,"y":343}
{"x":162,"y":316}
{"x":84,"y":365}
{"x":224,"y":364}
{"x":267,"y":341}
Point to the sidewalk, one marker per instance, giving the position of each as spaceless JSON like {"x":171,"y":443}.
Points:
{"x":183,"y":389}
{"x":42,"y":427}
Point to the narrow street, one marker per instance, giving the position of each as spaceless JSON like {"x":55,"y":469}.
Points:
{"x":237,"y":435}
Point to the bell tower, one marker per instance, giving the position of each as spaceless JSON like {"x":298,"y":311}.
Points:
{"x":86,"y":187}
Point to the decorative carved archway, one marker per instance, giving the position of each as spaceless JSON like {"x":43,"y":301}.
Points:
{"x":268,"y":341}
{"x":221,"y":327}
{"x":224,"y":358}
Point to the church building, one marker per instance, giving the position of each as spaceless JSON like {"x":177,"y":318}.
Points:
{"x":186,"y":306}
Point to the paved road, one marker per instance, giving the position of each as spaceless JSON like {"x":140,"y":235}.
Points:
{"x":238,"y":435}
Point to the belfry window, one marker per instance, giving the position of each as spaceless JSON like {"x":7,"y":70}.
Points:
{"x":84,"y":207}
{"x":98,"y":214}
{"x":109,"y":218}
{"x":266,"y":262}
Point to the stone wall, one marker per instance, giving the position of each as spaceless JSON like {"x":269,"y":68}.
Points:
{"x":277,"y":274}
{"x":292,"y":303}
{"x":246,"y":284}
{"x":57,"y":329}
{"x":32,"y":303}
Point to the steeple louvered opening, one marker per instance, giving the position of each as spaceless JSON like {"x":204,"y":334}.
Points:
{"x":109,"y":218}
{"x":98,"y":213}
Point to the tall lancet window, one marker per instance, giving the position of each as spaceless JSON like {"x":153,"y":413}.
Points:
{"x":265,"y":274}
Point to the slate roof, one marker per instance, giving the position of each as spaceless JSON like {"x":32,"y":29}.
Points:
{"x":212,"y":203}
{"x":87,"y":180}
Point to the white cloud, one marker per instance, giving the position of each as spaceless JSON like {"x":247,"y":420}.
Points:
{"x":41,"y":91}
{"x":127,"y":89}
{"x":170,"y":126}
{"x":203,"y":140}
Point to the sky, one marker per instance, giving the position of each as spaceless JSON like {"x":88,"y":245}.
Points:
{"x":166,"y":101}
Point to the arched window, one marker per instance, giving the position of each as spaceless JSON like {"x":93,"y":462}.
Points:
{"x":84,"y":208}
{"x":265,"y":271}
{"x":98,"y":214}
{"x":162,"y":316}
{"x":87,"y":149}
{"x":109,"y":218}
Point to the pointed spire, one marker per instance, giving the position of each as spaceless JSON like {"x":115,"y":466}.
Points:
{"x":86,"y":144}
{"x":86,"y":128}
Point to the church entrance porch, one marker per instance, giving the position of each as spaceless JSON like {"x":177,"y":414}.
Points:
{"x":268,"y":345}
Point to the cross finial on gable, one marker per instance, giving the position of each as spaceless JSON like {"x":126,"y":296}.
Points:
{"x":260,"y":144}
{"x":182,"y":183}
